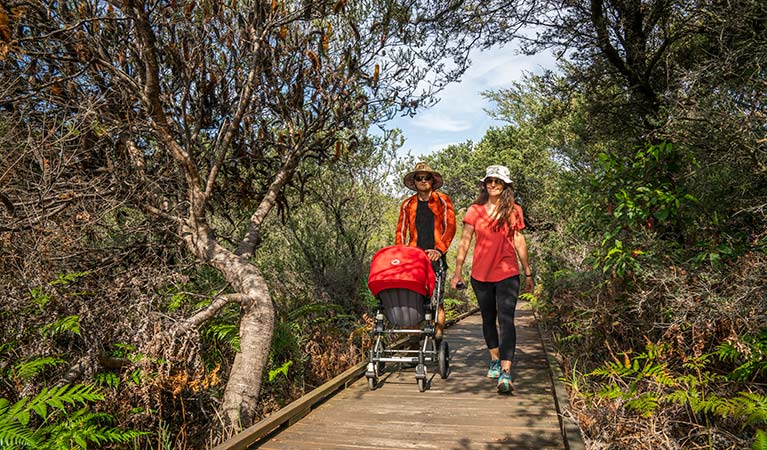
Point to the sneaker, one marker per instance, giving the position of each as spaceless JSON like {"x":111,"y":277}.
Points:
{"x":495,"y":369}
{"x":505,"y":385}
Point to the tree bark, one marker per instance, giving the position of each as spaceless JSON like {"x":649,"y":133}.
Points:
{"x":256,"y":324}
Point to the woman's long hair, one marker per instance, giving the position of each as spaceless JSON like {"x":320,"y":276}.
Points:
{"x":505,"y":206}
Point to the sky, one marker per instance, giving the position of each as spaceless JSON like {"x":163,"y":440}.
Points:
{"x":460,"y":114}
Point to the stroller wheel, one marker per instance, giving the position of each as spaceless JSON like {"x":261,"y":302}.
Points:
{"x":443,"y":359}
{"x":380,"y":365}
{"x":372,"y":383}
{"x":420,"y":377}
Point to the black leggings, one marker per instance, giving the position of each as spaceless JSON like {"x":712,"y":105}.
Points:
{"x":497,"y":300}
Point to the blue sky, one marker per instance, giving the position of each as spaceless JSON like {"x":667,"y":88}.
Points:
{"x":459,"y":116}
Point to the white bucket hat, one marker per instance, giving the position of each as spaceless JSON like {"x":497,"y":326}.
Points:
{"x":500,"y":172}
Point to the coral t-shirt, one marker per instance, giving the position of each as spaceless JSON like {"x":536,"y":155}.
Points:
{"x":494,"y":258}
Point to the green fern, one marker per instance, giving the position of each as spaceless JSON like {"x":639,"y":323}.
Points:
{"x":26,"y":370}
{"x":752,"y":362}
{"x":760,"y":440}
{"x":610,"y":391}
{"x":39,"y":297}
{"x":65,"y":324}
{"x":644,"y":404}
{"x":68,"y":278}
{"x":712,"y":404}
{"x":224,"y":333}
{"x":681,"y":396}
{"x":81,"y":427}
{"x":16,"y":435}
{"x":107,"y":379}
{"x":280,"y":370}
{"x":753,"y":407}
{"x":58,"y":427}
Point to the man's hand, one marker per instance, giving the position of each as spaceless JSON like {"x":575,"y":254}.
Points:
{"x":433,"y":254}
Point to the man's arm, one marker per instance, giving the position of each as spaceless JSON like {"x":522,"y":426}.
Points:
{"x":399,"y":234}
{"x":449,"y":233}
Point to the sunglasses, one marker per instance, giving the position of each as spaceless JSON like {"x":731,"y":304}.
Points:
{"x":422,"y":178}
{"x":494,"y":181}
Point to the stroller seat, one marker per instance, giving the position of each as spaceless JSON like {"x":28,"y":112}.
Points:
{"x":404,"y":308}
{"x":403,"y":281}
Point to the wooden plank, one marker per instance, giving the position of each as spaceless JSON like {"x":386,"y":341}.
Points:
{"x":244,"y":439}
{"x":296,"y":410}
{"x":460,"y":412}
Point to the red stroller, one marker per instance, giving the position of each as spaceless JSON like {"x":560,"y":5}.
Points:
{"x":403,"y":281}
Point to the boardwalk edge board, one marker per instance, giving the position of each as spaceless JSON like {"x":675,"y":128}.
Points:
{"x":297,"y":409}
{"x":571,"y":433}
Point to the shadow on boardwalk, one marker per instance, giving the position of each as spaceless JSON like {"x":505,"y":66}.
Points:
{"x":460,"y":412}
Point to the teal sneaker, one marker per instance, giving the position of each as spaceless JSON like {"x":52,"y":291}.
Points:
{"x":495,"y":369}
{"x":505,"y":385}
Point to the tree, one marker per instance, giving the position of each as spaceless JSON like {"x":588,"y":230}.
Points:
{"x":532,"y":169}
{"x":171,"y":113}
{"x":640,"y":73}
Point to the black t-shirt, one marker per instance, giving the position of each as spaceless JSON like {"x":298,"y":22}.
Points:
{"x":424,"y":225}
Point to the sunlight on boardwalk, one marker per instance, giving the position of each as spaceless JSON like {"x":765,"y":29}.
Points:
{"x":462,"y":412}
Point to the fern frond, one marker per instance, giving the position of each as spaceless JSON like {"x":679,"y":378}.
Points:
{"x":712,"y":404}
{"x":15,"y":435}
{"x":660,"y":373}
{"x":228,"y":334}
{"x":645,"y":404}
{"x":753,"y":407}
{"x":280,"y":370}
{"x":680,"y":397}
{"x":727,"y":352}
{"x":610,"y":391}
{"x":760,"y":440}
{"x":74,"y":429}
{"x":68,"y":323}
{"x":73,"y":394}
{"x":107,"y":379}
{"x":26,"y":370}
{"x":68,"y":278}
{"x":83,"y":426}
{"x":312,"y":308}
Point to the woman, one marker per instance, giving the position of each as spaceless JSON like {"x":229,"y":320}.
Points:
{"x":497,"y":222}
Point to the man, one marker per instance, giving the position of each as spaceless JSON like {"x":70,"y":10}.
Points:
{"x":428,"y":218}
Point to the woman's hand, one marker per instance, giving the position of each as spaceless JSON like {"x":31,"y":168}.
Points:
{"x":457,"y":278}
{"x":528,"y":284}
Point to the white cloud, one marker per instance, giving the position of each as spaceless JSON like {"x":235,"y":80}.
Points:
{"x":441,"y":122}
{"x":459,"y":115}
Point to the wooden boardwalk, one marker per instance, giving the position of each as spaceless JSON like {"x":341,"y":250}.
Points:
{"x":461,"y":412}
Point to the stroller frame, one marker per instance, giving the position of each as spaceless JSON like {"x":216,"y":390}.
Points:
{"x":429,"y":349}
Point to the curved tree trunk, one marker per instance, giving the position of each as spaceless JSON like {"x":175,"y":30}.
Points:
{"x":244,"y":386}
{"x":256,"y":325}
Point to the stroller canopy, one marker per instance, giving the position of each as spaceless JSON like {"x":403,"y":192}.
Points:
{"x":399,"y":266}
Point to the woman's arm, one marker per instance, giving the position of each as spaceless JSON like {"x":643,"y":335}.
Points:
{"x":520,"y":245}
{"x":463,"y":248}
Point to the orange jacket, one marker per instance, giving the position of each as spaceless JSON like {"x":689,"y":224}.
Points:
{"x":444,"y":221}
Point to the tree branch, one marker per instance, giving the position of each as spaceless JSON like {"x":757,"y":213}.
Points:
{"x":211,"y":310}
{"x":248,"y":244}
